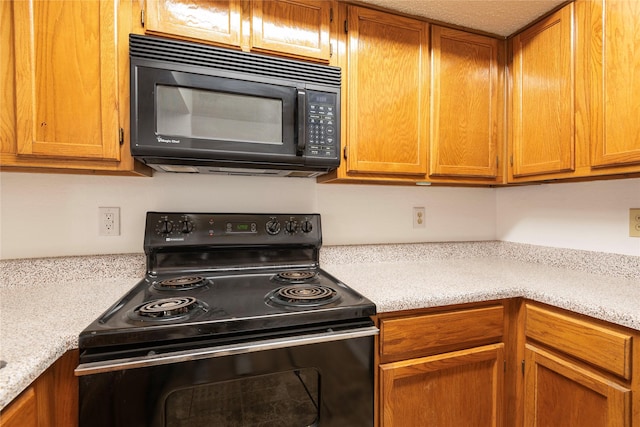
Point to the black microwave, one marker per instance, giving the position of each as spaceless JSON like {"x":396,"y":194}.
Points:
{"x":204,"y":109}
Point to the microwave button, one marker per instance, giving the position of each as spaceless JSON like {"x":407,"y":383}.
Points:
{"x":330,"y":130}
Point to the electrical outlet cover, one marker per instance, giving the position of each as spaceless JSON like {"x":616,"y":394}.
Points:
{"x":109,"y":221}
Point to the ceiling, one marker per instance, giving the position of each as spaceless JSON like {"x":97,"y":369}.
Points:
{"x":501,"y":17}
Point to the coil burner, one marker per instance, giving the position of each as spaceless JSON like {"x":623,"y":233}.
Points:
{"x":303,"y":296}
{"x":167,"y":308}
{"x":297,"y":276}
{"x":182,"y":283}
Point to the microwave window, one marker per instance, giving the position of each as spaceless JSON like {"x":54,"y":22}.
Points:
{"x":204,"y":114}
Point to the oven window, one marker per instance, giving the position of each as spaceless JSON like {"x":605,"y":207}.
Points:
{"x":284,"y":399}
{"x":204,"y":114}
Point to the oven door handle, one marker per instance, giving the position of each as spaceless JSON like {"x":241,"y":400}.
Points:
{"x":219,"y":351}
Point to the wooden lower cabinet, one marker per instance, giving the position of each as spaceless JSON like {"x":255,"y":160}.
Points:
{"x":560,"y":392}
{"x":51,"y":401}
{"x":578,"y":371}
{"x":461,"y":388}
{"x":443,"y":367}
{"x":512,"y":363}
{"x":22,"y":412}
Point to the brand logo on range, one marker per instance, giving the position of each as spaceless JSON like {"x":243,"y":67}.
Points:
{"x":168,"y":141}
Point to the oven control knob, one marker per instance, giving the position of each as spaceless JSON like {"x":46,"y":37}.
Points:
{"x":187,"y":226}
{"x":273,"y":226}
{"x":164,"y":227}
{"x":291,"y":226}
{"x":306,"y":226}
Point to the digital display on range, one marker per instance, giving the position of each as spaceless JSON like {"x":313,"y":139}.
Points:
{"x":241,"y":227}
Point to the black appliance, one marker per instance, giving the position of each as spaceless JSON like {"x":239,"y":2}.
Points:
{"x":203,"y":109}
{"x":234,"y":324}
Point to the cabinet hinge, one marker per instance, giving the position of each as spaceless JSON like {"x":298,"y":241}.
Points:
{"x":511,"y":160}
{"x":497,"y":162}
{"x":142,"y":17}
{"x":344,"y":152}
{"x":331,"y":15}
{"x":330,"y":50}
{"x":121,"y":135}
{"x":346,"y":26}
{"x":522,"y":366}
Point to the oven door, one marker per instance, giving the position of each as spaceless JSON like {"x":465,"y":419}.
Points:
{"x":318,"y":380}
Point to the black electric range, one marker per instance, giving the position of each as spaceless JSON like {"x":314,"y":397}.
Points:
{"x":217,"y":279}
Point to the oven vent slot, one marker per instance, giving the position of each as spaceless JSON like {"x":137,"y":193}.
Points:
{"x":195,"y":54}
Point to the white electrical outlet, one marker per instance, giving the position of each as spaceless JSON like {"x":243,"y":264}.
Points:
{"x":109,"y":221}
{"x":418,"y":217}
{"x":634,"y":222}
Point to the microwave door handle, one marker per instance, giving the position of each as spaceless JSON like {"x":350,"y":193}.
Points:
{"x":302,"y":122}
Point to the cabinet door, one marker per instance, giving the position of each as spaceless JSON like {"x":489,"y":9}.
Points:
{"x":464,"y":104}
{"x":7,"y":81}
{"x":543,"y":104}
{"x":462,"y":388}
{"x":212,"y":21}
{"x":298,"y":28}
{"x":387,"y":93}
{"x":67,"y":79}
{"x":560,"y":393}
{"x":22,"y":412}
{"x":614,"y":80}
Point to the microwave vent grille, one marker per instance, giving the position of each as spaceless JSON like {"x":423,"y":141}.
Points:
{"x":196,"y":54}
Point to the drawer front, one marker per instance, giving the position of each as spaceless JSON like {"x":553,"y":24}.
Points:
{"x":603,"y":347}
{"x":436,"y":333}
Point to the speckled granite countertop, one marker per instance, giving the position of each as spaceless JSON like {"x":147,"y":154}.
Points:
{"x":395,"y":277}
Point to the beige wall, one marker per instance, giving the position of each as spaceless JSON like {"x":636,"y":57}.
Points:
{"x":44,"y":215}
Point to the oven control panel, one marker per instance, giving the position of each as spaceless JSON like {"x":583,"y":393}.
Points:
{"x":175,"y":229}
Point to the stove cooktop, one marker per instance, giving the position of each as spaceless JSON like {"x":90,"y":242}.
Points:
{"x":223,"y":277}
{"x":225,"y":304}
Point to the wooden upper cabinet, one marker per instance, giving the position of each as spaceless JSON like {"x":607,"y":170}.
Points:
{"x":299,"y":28}
{"x":7,"y":80}
{"x":387,"y":84}
{"x":543,"y":107}
{"x":613,"y":63}
{"x":213,"y":21}
{"x":66,"y":79}
{"x":465,"y":104}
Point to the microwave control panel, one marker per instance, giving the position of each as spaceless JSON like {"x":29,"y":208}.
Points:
{"x":322,"y":129}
